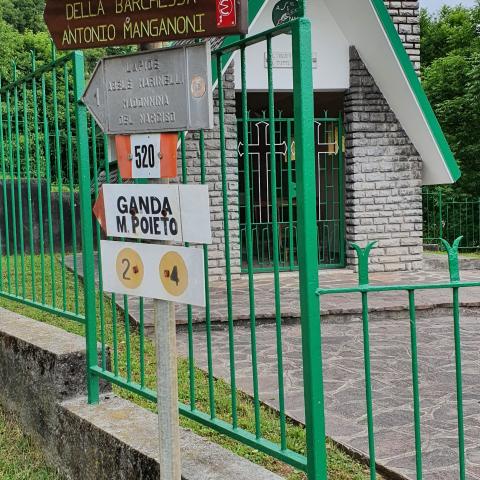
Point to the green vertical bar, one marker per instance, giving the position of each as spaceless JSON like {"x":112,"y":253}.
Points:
{"x":290,"y":196}
{"x":99,"y":251}
{"x":440,"y":214}
{"x":39,"y":178}
{"x":113,"y":297}
{"x":128,"y":349}
{"x":26,"y":141}
{"x":58,"y":166}
{"x":308,"y":251}
{"x":12,"y":191}
{"x":341,"y":191}
{"x":46,"y":134}
{"x":191,"y":351}
{"x":5,"y":198}
{"x":87,"y":229}
{"x":459,"y":381}
{"x":415,"y":382}
{"x":276,"y":253}
{"x":208,"y":321}
{"x":19,"y":179}
{"x":141,"y":306}
{"x":249,"y":243}
{"x":226,"y":212}
{"x":70,"y":183}
{"x":368,"y":384}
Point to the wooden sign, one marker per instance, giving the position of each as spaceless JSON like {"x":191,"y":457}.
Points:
{"x":162,"y":272}
{"x":106,"y":23}
{"x":177,"y":213}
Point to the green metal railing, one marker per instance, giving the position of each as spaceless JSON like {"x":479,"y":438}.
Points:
{"x":51,"y":156}
{"x":41,"y":186}
{"x":364,"y":288}
{"x":328,"y":134}
{"x":51,"y":153}
{"x":449,"y":216}
{"x":121,"y":321}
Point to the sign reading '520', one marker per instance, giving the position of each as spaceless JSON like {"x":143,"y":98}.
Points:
{"x":102,"y":23}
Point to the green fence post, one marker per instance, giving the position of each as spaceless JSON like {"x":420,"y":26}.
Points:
{"x":308,"y":250}
{"x":440,"y":215}
{"x":87,"y":227}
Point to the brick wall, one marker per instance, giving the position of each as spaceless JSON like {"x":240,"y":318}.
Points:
{"x":406,"y":18}
{"x":383,"y":170}
{"x":214,"y":180}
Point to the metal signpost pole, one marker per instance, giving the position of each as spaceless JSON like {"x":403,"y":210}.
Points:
{"x":167,"y":377}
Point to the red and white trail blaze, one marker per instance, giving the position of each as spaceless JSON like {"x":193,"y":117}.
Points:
{"x":226,"y":13}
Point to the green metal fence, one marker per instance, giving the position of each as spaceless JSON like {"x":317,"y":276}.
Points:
{"x":328,"y":134}
{"x":41,"y":186}
{"x":366,"y":290}
{"x":449,"y":216}
{"x":122,"y":322}
{"x":52,"y":156}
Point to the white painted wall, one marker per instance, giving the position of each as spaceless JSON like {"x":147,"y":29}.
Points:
{"x":329,"y":45}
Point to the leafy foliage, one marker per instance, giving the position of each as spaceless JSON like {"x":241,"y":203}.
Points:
{"x":451,"y":78}
{"x":23,"y":15}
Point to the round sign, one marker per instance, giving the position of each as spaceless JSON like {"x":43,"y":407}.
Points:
{"x":198,"y":87}
{"x":130,"y":270}
{"x":173,"y":274}
{"x":284,"y":11}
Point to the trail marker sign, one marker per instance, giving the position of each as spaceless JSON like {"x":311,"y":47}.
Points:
{"x":166,"y":90}
{"x":81,"y":24}
{"x":162,"y":272}
{"x":177,"y":213}
{"x":147,"y":156}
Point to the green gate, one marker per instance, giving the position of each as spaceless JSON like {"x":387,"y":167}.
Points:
{"x":329,"y":163}
{"x":51,"y":153}
{"x":45,"y":187}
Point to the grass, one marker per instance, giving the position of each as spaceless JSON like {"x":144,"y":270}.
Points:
{"x":20,"y":457}
{"x":340,"y":465}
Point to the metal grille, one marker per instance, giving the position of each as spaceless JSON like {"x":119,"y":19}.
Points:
{"x":329,"y":192}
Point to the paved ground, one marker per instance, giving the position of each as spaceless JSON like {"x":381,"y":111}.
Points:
{"x":391,"y":367}
{"x":331,"y":306}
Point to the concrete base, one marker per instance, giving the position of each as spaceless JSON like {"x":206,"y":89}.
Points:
{"x":127,"y":437}
{"x":42,"y":374}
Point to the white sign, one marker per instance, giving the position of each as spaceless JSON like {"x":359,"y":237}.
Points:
{"x":177,"y":213}
{"x":162,"y":272}
{"x":145,"y":152}
{"x":284,"y":60}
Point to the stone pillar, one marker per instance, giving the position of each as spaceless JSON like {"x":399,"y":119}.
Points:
{"x":214,"y":180}
{"x":383,"y":170}
{"x":406,"y":17}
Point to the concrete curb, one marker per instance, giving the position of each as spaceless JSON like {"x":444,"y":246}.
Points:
{"x":439,"y":262}
{"x":42,"y":373}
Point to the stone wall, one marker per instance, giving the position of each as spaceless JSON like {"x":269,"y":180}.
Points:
{"x":406,"y":18}
{"x":214,"y":179}
{"x":383,"y":169}
{"x":42,"y":374}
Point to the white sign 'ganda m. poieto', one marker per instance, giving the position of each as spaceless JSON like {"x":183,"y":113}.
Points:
{"x":176,"y":213}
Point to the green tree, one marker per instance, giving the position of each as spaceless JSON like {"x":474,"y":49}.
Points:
{"x":23,"y":14}
{"x":451,"y":78}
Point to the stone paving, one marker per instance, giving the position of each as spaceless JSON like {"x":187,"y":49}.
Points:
{"x":332,"y":306}
{"x":392,"y":390}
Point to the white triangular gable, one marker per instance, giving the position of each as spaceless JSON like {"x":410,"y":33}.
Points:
{"x":365,"y":24}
